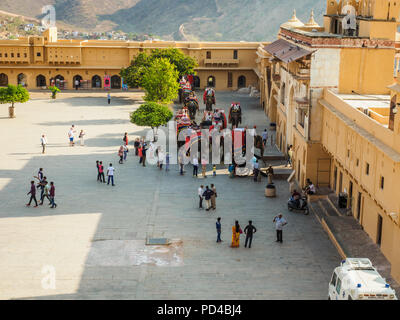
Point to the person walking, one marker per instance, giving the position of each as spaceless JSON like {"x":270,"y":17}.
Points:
{"x":52,"y":195}
{"x":256,"y":170}
{"x":136,"y":145}
{"x":265,"y":137}
{"x":126,"y":150}
{"x":219,"y":228}
{"x":121,"y":155}
{"x":249,"y":231}
{"x":81,"y":137}
{"x":46,"y":194}
{"x":43,"y":142}
{"x":200,"y":192}
{"x":101,"y":172}
{"x":125,"y":139}
{"x":236,"y":232}
{"x":71,"y":135}
{"x":195,"y":166}
{"x":32,"y":192}
{"x":110,"y":175}
{"x":181,"y":164}
{"x":42,"y":185}
{"x":109,"y":98}
{"x":280,"y":222}
{"x":213,"y":197}
{"x":98,"y":169}
{"x":207,"y":196}
{"x":144,"y":150}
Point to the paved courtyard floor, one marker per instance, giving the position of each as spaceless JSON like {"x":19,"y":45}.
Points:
{"x":94,"y":242}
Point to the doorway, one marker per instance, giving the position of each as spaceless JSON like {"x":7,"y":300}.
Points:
{"x":340,"y":181}
{"x":359,"y":198}
{"x":335,"y":179}
{"x":379,"y":231}
{"x":350,"y":201}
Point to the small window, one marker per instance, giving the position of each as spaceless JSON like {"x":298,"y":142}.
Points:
{"x":382,"y":182}
{"x":208,"y":54}
{"x":367,"y":169}
{"x":357,"y":162}
{"x":1,"y":55}
{"x":230,"y":80}
{"x":12,"y":55}
{"x":25,"y":55}
{"x":235,"y":54}
{"x":338,"y":286}
{"x":38,"y":54}
{"x":6,"y":55}
{"x":348,"y":153}
{"x":18,"y":55}
{"x":333,"y":281}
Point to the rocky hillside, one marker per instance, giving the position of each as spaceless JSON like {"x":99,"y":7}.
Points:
{"x":249,"y":20}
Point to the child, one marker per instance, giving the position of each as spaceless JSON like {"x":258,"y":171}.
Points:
{"x":214,"y":170}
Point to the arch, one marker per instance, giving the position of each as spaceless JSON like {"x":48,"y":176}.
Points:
{"x":242,"y":82}
{"x":196,"y":82}
{"x":77,"y":77}
{"x":40,"y":81}
{"x":115,"y":82}
{"x":283,"y":93}
{"x":57,"y":81}
{"x":211,"y":81}
{"x":96,"y":81}
{"x":3,"y":79}
{"x":22,"y":79}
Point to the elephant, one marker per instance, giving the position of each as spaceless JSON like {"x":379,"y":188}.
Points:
{"x":192,"y":106}
{"x":210,"y":100}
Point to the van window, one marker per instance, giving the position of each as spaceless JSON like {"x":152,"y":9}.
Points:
{"x":338,"y":286}
{"x":333,"y":281}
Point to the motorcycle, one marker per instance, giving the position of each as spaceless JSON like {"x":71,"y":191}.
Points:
{"x":300,"y":205}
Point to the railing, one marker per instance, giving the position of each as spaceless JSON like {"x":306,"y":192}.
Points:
{"x":221,"y":61}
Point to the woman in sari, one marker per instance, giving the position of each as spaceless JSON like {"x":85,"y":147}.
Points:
{"x":236,"y":231}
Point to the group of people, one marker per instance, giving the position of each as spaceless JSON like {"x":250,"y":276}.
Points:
{"x":47,"y":190}
{"x":71,"y":136}
{"x":100,"y":173}
{"x":209,"y":195}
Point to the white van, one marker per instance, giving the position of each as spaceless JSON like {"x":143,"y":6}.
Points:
{"x":357,"y":279}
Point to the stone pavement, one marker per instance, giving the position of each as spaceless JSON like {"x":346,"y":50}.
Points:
{"x":94,"y":242}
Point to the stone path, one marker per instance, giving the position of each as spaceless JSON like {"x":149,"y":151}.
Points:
{"x":93,"y":242}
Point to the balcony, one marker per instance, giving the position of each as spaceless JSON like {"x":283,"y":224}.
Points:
{"x":221,"y":62}
{"x":302,"y":74}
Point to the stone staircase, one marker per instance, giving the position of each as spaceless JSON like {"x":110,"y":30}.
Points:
{"x":347,"y":234}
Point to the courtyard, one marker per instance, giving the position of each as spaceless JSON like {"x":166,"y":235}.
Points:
{"x":94,"y":242}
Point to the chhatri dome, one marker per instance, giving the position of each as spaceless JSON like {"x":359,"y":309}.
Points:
{"x":294,"y":22}
{"x":312,"y":23}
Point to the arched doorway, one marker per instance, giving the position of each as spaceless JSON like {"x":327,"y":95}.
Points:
{"x":96,"y":81}
{"x":3,"y":79}
{"x":40,"y":81}
{"x":115,"y":82}
{"x":241,"y":82}
{"x":22,"y":79}
{"x":211,"y":81}
{"x":273,"y":106}
{"x":196,"y":82}
{"x":77,"y":81}
{"x":58,"y":81}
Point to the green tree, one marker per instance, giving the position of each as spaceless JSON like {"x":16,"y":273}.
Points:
{"x":151,"y":114}
{"x":13,"y":94}
{"x":159,"y":81}
{"x":134,"y":73}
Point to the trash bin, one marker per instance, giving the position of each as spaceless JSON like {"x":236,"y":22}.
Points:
{"x":342,"y":200}
{"x":270,"y":191}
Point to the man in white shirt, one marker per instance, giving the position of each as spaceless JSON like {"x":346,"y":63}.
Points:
{"x":195,"y":166}
{"x":76,"y":84}
{"x":279,"y":223}
{"x":71,"y":135}
{"x":200,"y":193}
{"x":110,"y":174}
{"x":43,"y":141}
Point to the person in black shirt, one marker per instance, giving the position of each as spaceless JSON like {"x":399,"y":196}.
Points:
{"x":249,"y":230}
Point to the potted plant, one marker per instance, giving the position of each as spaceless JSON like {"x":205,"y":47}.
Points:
{"x":54,"y":90}
{"x":13,"y":94}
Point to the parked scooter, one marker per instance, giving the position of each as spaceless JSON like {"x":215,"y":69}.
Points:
{"x":299,"y":205}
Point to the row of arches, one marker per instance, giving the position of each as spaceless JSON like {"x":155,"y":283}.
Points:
{"x":241,"y":83}
{"x":41,"y":81}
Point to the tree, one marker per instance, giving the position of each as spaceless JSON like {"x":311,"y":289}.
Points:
{"x":134,"y":73}
{"x":13,"y":94}
{"x":159,"y":81}
{"x":54,"y":90}
{"x":151,"y":114}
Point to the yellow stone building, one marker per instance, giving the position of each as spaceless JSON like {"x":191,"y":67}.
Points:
{"x":333,"y":94}
{"x":36,"y":60}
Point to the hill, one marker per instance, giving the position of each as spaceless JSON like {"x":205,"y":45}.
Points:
{"x":230,"y":20}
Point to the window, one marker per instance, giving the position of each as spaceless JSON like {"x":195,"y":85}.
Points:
{"x":357,"y":162}
{"x":12,"y":55}
{"x":1,"y":55}
{"x":235,"y":54}
{"x":38,"y":54}
{"x":382,"y":182}
{"x":367,"y":169}
{"x":25,"y":55}
{"x":333,"y":281}
{"x":6,"y":55}
{"x":348,"y":153}
{"x":338,"y":286}
{"x":18,"y":55}
{"x":208,"y":55}
{"x":230,"y":80}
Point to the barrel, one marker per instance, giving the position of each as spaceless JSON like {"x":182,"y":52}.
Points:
{"x":270,"y":191}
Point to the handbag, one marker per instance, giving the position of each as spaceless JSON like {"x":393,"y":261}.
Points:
{"x":240,"y":230}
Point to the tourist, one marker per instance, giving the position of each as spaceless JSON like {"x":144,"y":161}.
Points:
{"x":101,"y":171}
{"x":42,"y":184}
{"x":249,"y":230}
{"x":110,"y":175}
{"x":265,"y":137}
{"x":219,"y":228}
{"x":203,"y":168}
{"x":214,"y":169}
{"x":207,"y":196}
{"x":126,"y":150}
{"x":52,"y":195}
{"x":125,"y":138}
{"x":81,"y":135}
{"x":195,"y":166}
{"x":136,"y":145}
{"x":98,"y":170}
{"x":121,"y":154}
{"x":181,"y":164}
{"x":289,"y":156}
{"x":140,"y":153}
{"x":256,"y":170}
{"x":43,"y":142}
{"x":310,"y":188}
{"x":109,"y":98}
{"x":71,"y":135}
{"x":32,"y":192}
{"x":279,"y":223}
{"x":213,"y":200}
{"x":200,"y":192}
{"x":236,"y":231}
{"x":160,"y":158}
{"x":144,"y":149}
{"x":76,"y":84}
{"x":46,"y":194}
